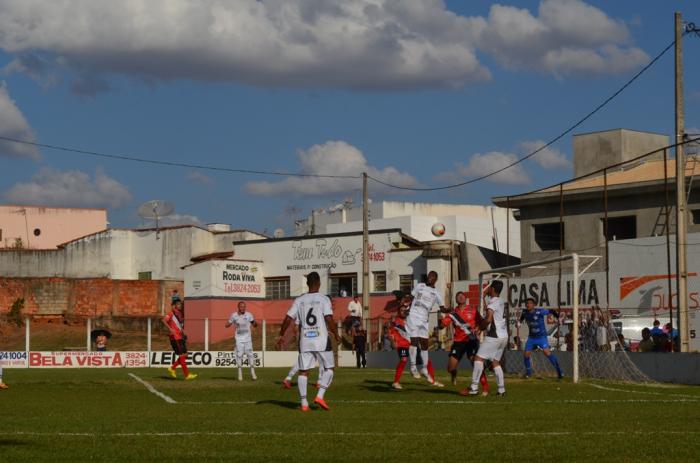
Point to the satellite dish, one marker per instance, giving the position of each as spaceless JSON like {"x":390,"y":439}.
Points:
{"x":156,"y":209}
{"x":278,"y":233}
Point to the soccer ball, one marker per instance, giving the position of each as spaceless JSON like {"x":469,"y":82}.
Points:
{"x":438,"y":230}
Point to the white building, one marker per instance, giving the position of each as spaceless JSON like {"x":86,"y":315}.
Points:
{"x":125,"y":254}
{"x":474,"y":224}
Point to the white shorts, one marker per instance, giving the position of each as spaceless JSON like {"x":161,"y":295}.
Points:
{"x":417,"y":329}
{"x":307,"y":360}
{"x":244,"y":348}
{"x":492,"y":348}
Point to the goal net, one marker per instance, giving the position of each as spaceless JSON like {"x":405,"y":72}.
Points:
{"x":600,"y":350}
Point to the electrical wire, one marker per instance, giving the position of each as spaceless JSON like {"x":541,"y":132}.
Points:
{"x":546,"y":145}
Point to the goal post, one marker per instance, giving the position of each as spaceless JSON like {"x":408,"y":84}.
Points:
{"x":575,"y":259}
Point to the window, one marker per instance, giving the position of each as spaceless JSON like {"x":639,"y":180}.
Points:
{"x":695,"y":212}
{"x":405,"y":283}
{"x":621,"y":228}
{"x":547,"y":236}
{"x":144,"y":275}
{"x":277,"y":288}
{"x":343,"y":284}
{"x":379,"y":282}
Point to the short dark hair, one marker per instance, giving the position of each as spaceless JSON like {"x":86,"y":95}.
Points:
{"x":497,"y":286}
{"x":241,"y":302}
{"x":531,"y":299}
{"x":313,"y":278}
{"x":433,"y":272}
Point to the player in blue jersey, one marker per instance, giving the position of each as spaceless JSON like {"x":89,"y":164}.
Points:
{"x":537,"y":335}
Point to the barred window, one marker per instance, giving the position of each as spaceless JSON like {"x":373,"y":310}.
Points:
{"x":379,"y":282}
{"x":277,"y":288}
{"x":406,"y":283}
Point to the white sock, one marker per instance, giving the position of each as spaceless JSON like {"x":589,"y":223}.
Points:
{"x":326,"y":381}
{"x":321,"y":372}
{"x":251,"y":362}
{"x":500,"y":380}
{"x":293,"y":371}
{"x":302,"y":381}
{"x":424,"y":356}
{"x":476,"y":374}
{"x":412,"y":353}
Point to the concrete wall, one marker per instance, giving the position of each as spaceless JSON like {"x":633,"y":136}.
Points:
{"x":595,"y":151}
{"x":46,"y":227}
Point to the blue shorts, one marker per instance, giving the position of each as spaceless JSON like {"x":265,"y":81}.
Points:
{"x":534,"y":343}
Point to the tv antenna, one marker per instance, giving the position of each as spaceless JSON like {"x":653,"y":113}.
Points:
{"x":156,"y":209}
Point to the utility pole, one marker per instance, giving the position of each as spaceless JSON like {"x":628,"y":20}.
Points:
{"x":365,"y":249}
{"x":681,"y":199}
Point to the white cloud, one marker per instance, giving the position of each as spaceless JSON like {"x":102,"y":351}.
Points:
{"x":180,"y":219}
{"x":483,"y":164}
{"x":566,"y":37}
{"x":548,"y":158}
{"x":359,"y":44}
{"x":14,"y":125}
{"x":334,"y":158}
{"x":53,"y":187}
{"x":196,"y":176}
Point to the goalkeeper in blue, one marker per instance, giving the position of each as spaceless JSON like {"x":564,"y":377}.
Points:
{"x":537,"y":335}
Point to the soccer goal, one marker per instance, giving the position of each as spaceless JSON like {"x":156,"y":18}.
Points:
{"x":586,"y":329}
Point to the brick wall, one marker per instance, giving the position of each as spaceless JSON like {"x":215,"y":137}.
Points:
{"x":87,"y":297}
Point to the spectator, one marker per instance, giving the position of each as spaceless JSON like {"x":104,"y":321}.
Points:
{"x":569,"y":340}
{"x":621,"y":344}
{"x":175,"y":297}
{"x":343,"y":292}
{"x":354,"y":307}
{"x":646,"y":344}
{"x":656,"y":330}
{"x":101,"y":342}
{"x":435,"y":339}
{"x":359,"y":344}
{"x":672,"y":334}
{"x":602,"y":339}
{"x":386,"y":344}
{"x":661,"y":343}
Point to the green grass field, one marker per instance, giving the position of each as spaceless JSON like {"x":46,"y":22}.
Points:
{"x":107,"y":415}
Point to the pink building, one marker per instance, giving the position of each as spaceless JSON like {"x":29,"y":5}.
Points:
{"x":39,"y":227}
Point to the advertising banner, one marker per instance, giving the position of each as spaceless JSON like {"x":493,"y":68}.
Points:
{"x":88,"y":359}
{"x":13,"y":359}
{"x":205,"y":359}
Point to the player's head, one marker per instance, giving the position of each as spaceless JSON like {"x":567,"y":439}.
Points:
{"x":432,"y":277}
{"x":241,"y":307}
{"x":355,"y":297}
{"x":495,"y":288}
{"x":461,"y":297}
{"x":313,"y":281}
{"x":530,"y":303}
{"x":406,"y":300}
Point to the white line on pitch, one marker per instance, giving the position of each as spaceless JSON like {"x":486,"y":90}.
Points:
{"x":152,"y":389}
{"x":664,"y":394}
{"x":350,"y":434}
{"x":462,"y":402}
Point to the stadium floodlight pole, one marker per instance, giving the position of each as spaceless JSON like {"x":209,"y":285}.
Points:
{"x":365,"y":250}
{"x":574,"y":328}
{"x":681,"y":199}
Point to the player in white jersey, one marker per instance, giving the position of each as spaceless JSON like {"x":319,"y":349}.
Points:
{"x":425,"y":296}
{"x":244,"y":341}
{"x":314,"y":315}
{"x":495,"y":339}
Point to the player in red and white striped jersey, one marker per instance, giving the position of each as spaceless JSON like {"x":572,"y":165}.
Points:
{"x":175,"y":320}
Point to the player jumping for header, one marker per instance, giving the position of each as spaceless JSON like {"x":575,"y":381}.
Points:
{"x":178,"y":340}
{"x":466,"y":320}
{"x":244,"y":340}
{"x":425,"y":296}
{"x":495,"y":341}
{"x":537,"y":335}
{"x":312,"y":311}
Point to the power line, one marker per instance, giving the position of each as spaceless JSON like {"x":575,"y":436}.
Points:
{"x":172,"y":163}
{"x":548,"y":144}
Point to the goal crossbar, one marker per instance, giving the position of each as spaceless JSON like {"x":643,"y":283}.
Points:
{"x":575,"y":258}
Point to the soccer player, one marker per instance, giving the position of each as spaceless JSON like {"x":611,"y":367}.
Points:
{"x":313,"y":312}
{"x":425,"y":296}
{"x":495,"y":341}
{"x":537,"y":335}
{"x":402,"y":341}
{"x":178,"y":340}
{"x":244,"y":341}
{"x":466,"y":322}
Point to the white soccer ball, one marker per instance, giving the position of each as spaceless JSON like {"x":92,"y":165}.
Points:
{"x":438,"y":230}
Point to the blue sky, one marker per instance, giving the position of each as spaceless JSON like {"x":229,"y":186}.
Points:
{"x":418,"y":92}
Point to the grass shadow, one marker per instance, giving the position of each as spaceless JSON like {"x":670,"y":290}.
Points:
{"x":280,"y":403}
{"x":12,"y":442}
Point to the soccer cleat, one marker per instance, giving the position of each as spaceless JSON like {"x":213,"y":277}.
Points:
{"x":454,"y":380}
{"x":560,"y":377}
{"x":526,"y":376}
{"x":240,"y":375}
{"x":485,"y":393}
{"x":253,"y":376}
{"x":304,"y":408}
{"x":396,"y":386}
{"x":468,"y":392}
{"x":172,"y":372}
{"x":3,"y":385}
{"x":321,"y":403}
{"x":191,"y":376}
{"x":437,"y":384}
{"x":286,"y":383}
{"x":415,"y":373}
{"x":501,"y":394}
